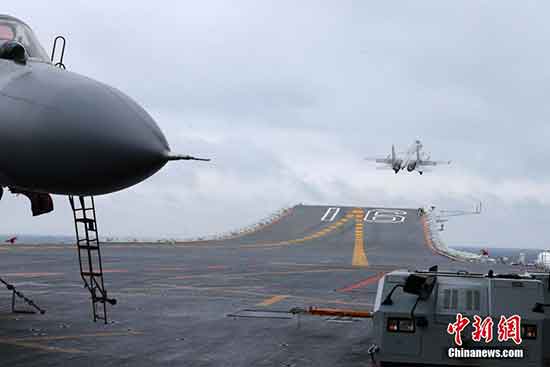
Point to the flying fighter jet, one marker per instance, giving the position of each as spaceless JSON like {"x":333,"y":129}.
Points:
{"x":413,"y":159}
{"x":63,"y":133}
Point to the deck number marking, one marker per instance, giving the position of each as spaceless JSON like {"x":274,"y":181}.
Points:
{"x":385,"y":216}
{"x":327,"y":217}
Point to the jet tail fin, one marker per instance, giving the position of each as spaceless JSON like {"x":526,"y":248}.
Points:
{"x":393,"y":153}
{"x":41,"y":203}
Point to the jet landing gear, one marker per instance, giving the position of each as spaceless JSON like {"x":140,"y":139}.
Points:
{"x":89,"y":254}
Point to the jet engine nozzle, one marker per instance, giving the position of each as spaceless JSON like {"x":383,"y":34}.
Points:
{"x":397,"y":165}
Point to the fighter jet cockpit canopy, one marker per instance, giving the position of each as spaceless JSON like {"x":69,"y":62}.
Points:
{"x":12,"y":29}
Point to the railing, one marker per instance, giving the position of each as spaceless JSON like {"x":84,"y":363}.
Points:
{"x":439,"y":245}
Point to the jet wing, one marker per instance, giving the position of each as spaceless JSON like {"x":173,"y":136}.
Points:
{"x":380,"y":160}
{"x":432,"y":163}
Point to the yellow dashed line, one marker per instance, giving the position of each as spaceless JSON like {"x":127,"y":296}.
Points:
{"x":272,"y":300}
{"x":354,"y":213}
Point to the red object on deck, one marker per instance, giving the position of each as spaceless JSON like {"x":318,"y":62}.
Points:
{"x":339,"y":312}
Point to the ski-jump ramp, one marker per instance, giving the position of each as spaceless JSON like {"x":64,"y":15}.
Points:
{"x":360,"y":236}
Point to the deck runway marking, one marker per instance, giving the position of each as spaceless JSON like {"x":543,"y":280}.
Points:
{"x":363,"y":283}
{"x":326,"y":218}
{"x":359,"y":255}
{"x":239,"y":291}
{"x":264,"y":295}
{"x":243,"y":275}
{"x":385,"y":216}
{"x":320,"y":233}
{"x":41,"y":347}
{"x":32,"y":275}
{"x":272,"y":300}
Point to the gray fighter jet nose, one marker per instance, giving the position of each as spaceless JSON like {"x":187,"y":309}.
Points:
{"x":79,"y":128}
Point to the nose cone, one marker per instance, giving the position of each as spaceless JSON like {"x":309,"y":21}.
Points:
{"x":76,"y":136}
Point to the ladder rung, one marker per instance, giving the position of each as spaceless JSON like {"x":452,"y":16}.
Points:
{"x":93,"y":273}
{"x":89,"y":239}
{"x":89,"y":230}
{"x":104,"y":299}
{"x":85,"y":220}
{"x":86,"y":247}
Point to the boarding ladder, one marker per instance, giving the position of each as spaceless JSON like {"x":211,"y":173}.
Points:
{"x":89,"y":254}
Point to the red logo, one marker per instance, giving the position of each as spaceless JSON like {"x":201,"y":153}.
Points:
{"x":483,"y":329}
{"x":457,"y":328}
{"x":509,"y":328}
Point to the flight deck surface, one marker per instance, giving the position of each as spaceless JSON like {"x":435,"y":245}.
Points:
{"x":183,"y":304}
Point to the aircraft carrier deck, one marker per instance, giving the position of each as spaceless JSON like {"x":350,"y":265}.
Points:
{"x":175,"y":301}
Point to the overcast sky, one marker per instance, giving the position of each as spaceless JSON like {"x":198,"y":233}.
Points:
{"x":287,"y":97}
